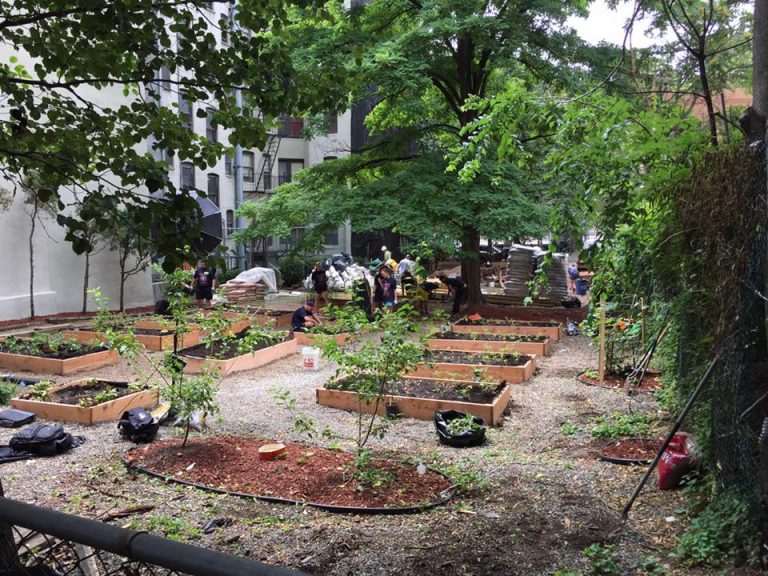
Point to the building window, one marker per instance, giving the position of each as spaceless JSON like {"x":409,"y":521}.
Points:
{"x":291,"y":127}
{"x":211,"y":127}
{"x":185,"y":111}
{"x":165,"y":77}
{"x":230,"y":220}
{"x":329,"y":158}
{"x":224,"y":23}
{"x":333,"y":123}
{"x":286,"y":169}
{"x":213,"y":188}
{"x":227,"y":164}
{"x":187,"y":176}
{"x":332,"y":237}
{"x":249,"y":165}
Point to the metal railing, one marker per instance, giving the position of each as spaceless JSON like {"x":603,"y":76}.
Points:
{"x":40,"y":542}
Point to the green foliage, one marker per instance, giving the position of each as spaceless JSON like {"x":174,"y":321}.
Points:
{"x":7,"y":390}
{"x":569,"y":429}
{"x":461,"y":425}
{"x":40,"y":391}
{"x":191,"y":394}
{"x":602,"y":560}
{"x":725,"y":530}
{"x":293,"y":270}
{"x":173,"y":528}
{"x":620,"y":425}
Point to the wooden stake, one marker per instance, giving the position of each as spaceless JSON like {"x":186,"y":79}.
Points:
{"x":601,"y":358}
{"x":642,"y":323}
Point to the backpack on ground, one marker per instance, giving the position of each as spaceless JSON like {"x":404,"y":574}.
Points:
{"x":12,"y":418}
{"x":138,"y":425}
{"x":44,"y":440}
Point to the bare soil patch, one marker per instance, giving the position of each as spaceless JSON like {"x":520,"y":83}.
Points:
{"x":613,"y":381}
{"x":225,"y":349}
{"x":305,"y":473}
{"x":637,"y":450}
{"x":435,"y":389}
{"x":454,"y":357}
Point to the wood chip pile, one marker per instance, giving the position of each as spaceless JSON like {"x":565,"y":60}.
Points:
{"x":244,"y":293}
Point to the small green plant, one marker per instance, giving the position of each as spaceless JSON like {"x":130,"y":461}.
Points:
{"x":40,"y":391}
{"x":7,"y":389}
{"x":464,"y":390}
{"x":568,"y":429}
{"x":619,"y":425}
{"x":13,"y":345}
{"x":173,"y":528}
{"x":192,"y":394}
{"x":602,"y":559}
{"x":591,"y":373}
{"x":462,"y":425}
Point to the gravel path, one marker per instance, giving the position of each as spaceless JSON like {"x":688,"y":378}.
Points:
{"x":546,"y":497}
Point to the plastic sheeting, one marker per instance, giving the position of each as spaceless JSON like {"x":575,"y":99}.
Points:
{"x":256,"y":275}
{"x":344,"y":278}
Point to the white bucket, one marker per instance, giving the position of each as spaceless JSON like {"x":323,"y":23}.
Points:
{"x":311,"y":357}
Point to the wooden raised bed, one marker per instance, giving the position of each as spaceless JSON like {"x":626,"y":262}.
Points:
{"x":155,"y":342}
{"x":104,"y":412}
{"x":543,"y":348}
{"x":38,"y":365}
{"x":308,"y":338}
{"x":248,"y":361}
{"x":466,"y":372}
{"x":551,"y":331}
{"x":418,"y":408}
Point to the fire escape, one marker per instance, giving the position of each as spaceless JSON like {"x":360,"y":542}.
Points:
{"x":258,"y":185}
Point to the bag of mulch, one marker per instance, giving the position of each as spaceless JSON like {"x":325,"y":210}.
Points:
{"x":12,"y":418}
{"x":464,"y":439}
{"x":675,"y":462}
{"x":138,"y":425}
{"x":44,"y":440}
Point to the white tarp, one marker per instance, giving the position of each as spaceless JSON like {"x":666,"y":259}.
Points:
{"x":256,"y":275}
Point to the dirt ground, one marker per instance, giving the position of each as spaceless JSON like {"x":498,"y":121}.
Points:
{"x":542,"y":499}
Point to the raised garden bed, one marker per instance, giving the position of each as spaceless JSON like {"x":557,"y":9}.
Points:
{"x":496,"y":343}
{"x":307,"y":475}
{"x":227,"y":359}
{"x":82,"y":401}
{"x":151,"y":339}
{"x":455,"y":365}
{"x":650,"y":382}
{"x":631,"y":451}
{"x":71,"y":358}
{"x":420,"y":397}
{"x":510,"y":327}
{"x":308,"y":338}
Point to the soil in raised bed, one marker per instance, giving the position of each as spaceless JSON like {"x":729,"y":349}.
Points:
{"x":633,"y":449}
{"x":435,"y":389}
{"x":528,"y":313}
{"x":503,"y":322}
{"x":71,"y":350}
{"x":455,"y":357}
{"x":305,"y":473}
{"x":488,"y":337}
{"x":74,"y":394}
{"x":138,"y":331}
{"x":225,"y":349}
{"x":650,"y":381}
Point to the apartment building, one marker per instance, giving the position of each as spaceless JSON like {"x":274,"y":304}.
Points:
{"x":59,"y":272}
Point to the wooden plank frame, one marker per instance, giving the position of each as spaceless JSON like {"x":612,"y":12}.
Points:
{"x":241,"y":363}
{"x":37,"y":365}
{"x":466,"y":372}
{"x":543,"y":348}
{"x":552,"y":332}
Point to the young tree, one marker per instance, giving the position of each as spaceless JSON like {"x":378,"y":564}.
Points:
{"x":130,"y":238}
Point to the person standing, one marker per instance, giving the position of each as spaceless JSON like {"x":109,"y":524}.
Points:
{"x":204,"y":283}
{"x":385,"y":289}
{"x":304,"y":317}
{"x":387,"y":254}
{"x":458,"y":288}
{"x":573,"y":275}
{"x":320,"y":284}
{"x":406,"y":269}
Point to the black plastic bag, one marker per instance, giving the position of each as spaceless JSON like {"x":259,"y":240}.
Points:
{"x":469,"y":438}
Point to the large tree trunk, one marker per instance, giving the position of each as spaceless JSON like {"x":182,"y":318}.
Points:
{"x":470,"y":264}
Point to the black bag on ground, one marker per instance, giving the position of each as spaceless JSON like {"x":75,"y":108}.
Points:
{"x":44,"y":440}
{"x":8,"y":454}
{"x":12,"y":418}
{"x":138,"y":425}
{"x":463,"y":440}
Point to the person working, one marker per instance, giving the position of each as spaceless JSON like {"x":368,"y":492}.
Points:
{"x":204,"y":283}
{"x":573,"y":275}
{"x":320,"y":284}
{"x":421,"y":296}
{"x":458,"y":288}
{"x":385,"y":288}
{"x":387,"y":253}
{"x":304,"y":318}
{"x":407,"y":270}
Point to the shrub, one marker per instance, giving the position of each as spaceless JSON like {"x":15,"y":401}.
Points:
{"x":6,"y":392}
{"x":293,"y":270}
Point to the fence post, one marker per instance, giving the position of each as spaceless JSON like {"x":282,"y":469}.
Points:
{"x":9,"y":558}
{"x":642,"y":323}
{"x":601,"y":353}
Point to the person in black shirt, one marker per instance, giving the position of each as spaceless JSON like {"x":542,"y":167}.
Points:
{"x":458,"y":288}
{"x":204,"y":283}
{"x":304,"y":318}
{"x":320,"y":284}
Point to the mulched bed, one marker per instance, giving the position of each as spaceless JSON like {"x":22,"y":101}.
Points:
{"x":63,"y":353}
{"x":614,"y":382}
{"x":503,"y":322}
{"x":454,"y":357}
{"x":307,"y":473}
{"x":631,"y":451}
{"x":529,"y":313}
{"x":435,"y":390}
{"x":74,"y":394}
{"x":224,"y":349}
{"x":488,"y":337}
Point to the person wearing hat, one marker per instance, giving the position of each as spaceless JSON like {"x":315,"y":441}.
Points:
{"x":304,"y":318}
{"x":387,"y":254}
